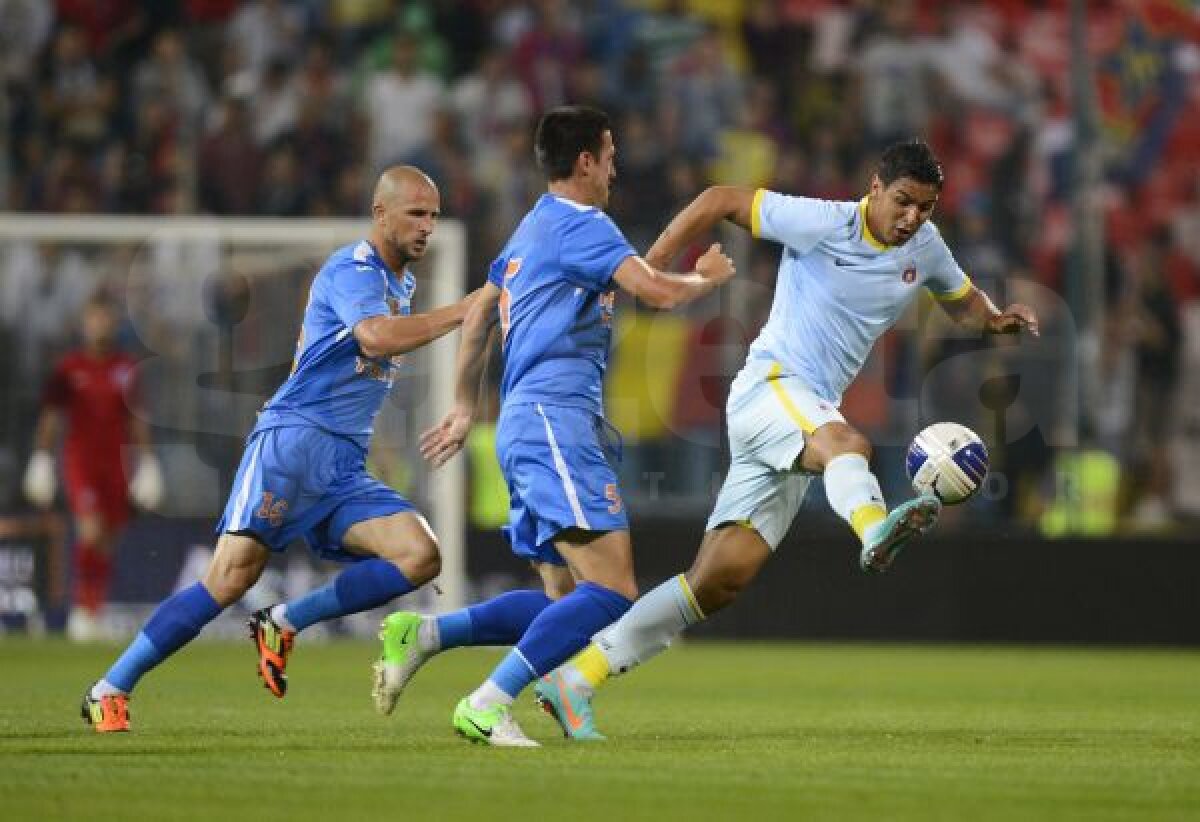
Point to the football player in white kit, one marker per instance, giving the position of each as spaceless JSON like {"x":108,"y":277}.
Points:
{"x":848,"y":271}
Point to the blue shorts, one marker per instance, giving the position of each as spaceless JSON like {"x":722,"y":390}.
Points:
{"x":555,"y":463}
{"x":304,"y":482}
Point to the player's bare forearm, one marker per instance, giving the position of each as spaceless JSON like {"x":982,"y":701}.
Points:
{"x":977,"y":312}
{"x":46,"y":435}
{"x":698,"y":217}
{"x":478,"y":327}
{"x":493,"y":337}
{"x":446,"y":439}
{"x":668,"y":289}
{"x":139,"y":433}
{"x":389,"y":336}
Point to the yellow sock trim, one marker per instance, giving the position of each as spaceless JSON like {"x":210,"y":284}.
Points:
{"x":865,"y":516}
{"x":691,"y":598}
{"x":590,"y":662}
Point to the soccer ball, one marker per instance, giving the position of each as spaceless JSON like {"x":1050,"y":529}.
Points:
{"x":947,"y":460}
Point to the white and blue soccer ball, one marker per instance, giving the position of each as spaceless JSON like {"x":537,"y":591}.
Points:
{"x":947,"y":460}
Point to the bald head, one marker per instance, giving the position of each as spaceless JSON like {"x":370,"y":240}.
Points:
{"x":405,"y":208}
{"x":397,"y":181}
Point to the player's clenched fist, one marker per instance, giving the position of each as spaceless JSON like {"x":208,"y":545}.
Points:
{"x":1014,"y":319}
{"x":715,"y":266}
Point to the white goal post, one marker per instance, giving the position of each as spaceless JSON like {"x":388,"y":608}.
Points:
{"x":165,"y":268}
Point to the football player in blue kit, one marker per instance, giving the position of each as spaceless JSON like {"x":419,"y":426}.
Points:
{"x":303,"y":473}
{"x":848,"y":271}
{"x":552,"y":289}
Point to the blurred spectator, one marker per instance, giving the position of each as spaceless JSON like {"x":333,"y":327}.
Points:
{"x":276,"y":102}
{"x":398,"y":104}
{"x":895,"y":61}
{"x":545,"y":54}
{"x":318,"y":142}
{"x":642,"y":195}
{"x":266,"y":30}
{"x":282,"y":192}
{"x":666,"y":35}
{"x":169,"y":74}
{"x":156,"y":154}
{"x":748,"y":150}
{"x":1158,"y":344}
{"x":229,"y":162}
{"x":489,"y":101}
{"x":25,"y":27}
{"x":706,"y":93}
{"x":76,"y":100}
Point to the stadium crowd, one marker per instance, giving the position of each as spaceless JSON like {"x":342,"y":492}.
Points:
{"x":291,"y":107}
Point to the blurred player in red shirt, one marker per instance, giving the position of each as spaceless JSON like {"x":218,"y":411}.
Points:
{"x":93,"y":388}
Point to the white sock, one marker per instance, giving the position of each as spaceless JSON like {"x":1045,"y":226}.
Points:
{"x":850,"y":487}
{"x":429,"y":638}
{"x":487,"y":695}
{"x":279,"y":615}
{"x":105,"y":688}
{"x":650,"y":625}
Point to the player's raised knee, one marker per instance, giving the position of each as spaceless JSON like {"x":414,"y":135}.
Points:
{"x":844,"y":439}
{"x":421,"y":562}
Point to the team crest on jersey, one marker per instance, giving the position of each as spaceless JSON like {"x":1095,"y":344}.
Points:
{"x":514,"y":265}
{"x":910,"y":274}
{"x":608,"y":306}
{"x":379,"y":370}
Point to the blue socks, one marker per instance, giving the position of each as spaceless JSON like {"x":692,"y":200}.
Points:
{"x":500,"y":621}
{"x":362,"y":586}
{"x":174,"y":623}
{"x":557,"y":633}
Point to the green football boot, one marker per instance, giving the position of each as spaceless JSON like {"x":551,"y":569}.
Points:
{"x":402,"y":656}
{"x":491,"y":726}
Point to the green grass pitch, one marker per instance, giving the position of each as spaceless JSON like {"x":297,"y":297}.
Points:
{"x":708,"y":731}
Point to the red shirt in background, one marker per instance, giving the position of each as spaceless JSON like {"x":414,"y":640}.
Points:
{"x":95,"y":394}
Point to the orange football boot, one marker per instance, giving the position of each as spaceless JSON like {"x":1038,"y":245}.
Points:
{"x":273,"y":645}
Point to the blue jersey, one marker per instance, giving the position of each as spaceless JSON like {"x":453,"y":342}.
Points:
{"x":556,"y":303}
{"x":333,"y":385}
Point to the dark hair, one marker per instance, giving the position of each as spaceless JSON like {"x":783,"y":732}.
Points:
{"x":100,"y":298}
{"x":910,"y":158}
{"x":563,"y":133}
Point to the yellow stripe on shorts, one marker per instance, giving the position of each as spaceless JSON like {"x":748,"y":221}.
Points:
{"x":785,"y":400}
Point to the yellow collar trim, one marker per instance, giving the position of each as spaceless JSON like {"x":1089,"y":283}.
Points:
{"x":867,"y":236}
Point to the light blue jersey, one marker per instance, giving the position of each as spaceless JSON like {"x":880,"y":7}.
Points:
{"x":556,"y":303}
{"x":333,"y":385}
{"x":839,"y":289}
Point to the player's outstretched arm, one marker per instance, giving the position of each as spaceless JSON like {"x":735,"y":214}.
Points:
{"x":714,"y":204}
{"x":385,"y":336}
{"x":446,"y":439}
{"x":666,"y":289}
{"x":977,"y":312}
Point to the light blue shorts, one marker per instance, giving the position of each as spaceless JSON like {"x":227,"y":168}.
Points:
{"x":770,"y":413}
